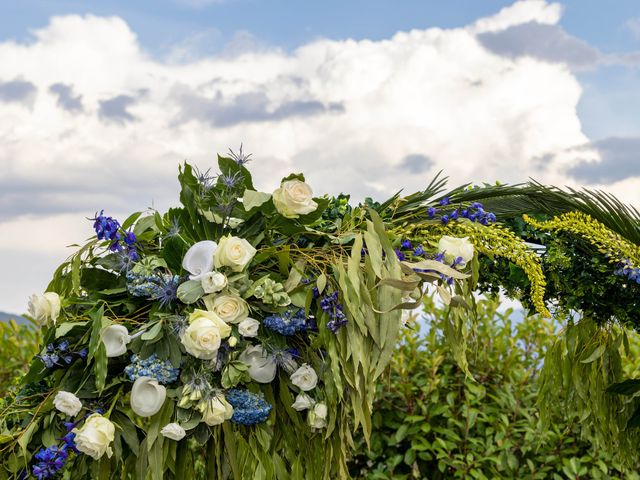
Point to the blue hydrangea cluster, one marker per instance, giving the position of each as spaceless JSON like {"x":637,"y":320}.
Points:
{"x":626,"y":269}
{"x":475,"y":212}
{"x":157,"y":286}
{"x":52,"y":459}
{"x":330,"y":304}
{"x":60,"y":355}
{"x":107,"y":228}
{"x":248,"y":408}
{"x":291,"y":321}
{"x":153,"y":367}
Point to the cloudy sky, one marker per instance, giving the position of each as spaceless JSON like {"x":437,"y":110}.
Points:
{"x":100,"y":101}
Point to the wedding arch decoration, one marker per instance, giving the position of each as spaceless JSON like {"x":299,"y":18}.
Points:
{"x":247,"y":330}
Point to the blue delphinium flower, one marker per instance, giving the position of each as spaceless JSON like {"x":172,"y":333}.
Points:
{"x":162,"y":370}
{"x":626,"y":269}
{"x":107,"y":229}
{"x":332,"y":307}
{"x":418,"y":251}
{"x":248,"y":408}
{"x":399,"y":254}
{"x":287,"y":323}
{"x":50,"y":461}
{"x":432,"y":211}
{"x":445,"y":201}
{"x":405,"y":244}
{"x":59,"y":355}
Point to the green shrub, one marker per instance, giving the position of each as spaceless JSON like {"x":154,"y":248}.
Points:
{"x":18,"y":344}
{"x":432,"y":422}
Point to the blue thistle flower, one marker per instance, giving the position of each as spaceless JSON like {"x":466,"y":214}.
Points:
{"x":248,"y":408}
{"x":240,"y":158}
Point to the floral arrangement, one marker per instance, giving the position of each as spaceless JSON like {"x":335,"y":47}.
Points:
{"x":250,"y":328}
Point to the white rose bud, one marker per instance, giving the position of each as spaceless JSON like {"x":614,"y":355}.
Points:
{"x":213,"y":282}
{"x":44,"y":308}
{"x":294,"y":198}
{"x":303,"y":402}
{"x":173,"y":431}
{"x":230,"y":308}
{"x":115,"y":339}
{"x":317,"y":417}
{"x":215,"y":410}
{"x":94,"y":437}
{"x":147,"y":396}
{"x":249,"y":327}
{"x":203,"y":335}
{"x":199,"y":259}
{"x":67,"y":403}
{"x":262,"y":366}
{"x":233,"y":341}
{"x":233,"y":252}
{"x":454,"y":247}
{"x":305,"y":378}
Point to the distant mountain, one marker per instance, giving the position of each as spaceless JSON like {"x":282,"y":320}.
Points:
{"x":5,"y":317}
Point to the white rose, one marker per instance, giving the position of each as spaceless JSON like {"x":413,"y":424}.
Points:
{"x":249,"y":327}
{"x":199,"y":259}
{"x":94,"y":437}
{"x":173,"y":431}
{"x":317,"y":417}
{"x":294,"y":198}
{"x":230,"y":308}
{"x":45,"y":307}
{"x":147,"y":396}
{"x":203,"y":335}
{"x":67,"y":403}
{"x":215,"y":410}
{"x":303,"y":402}
{"x":115,"y":339}
{"x":454,"y":247}
{"x":305,"y":378}
{"x":262,"y":366}
{"x":233,"y":252}
{"x":213,"y":282}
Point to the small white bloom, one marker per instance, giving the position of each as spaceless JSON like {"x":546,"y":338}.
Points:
{"x":45,"y":307}
{"x":213,"y":282}
{"x":233,"y":252}
{"x":249,"y":327}
{"x":173,"y":431}
{"x":305,"y":378}
{"x":215,"y":410}
{"x":199,"y":259}
{"x":147,"y":396}
{"x":233,"y":341}
{"x":230,"y":308}
{"x":94,"y":437}
{"x":262,"y":366}
{"x":294,"y":198}
{"x":454,"y":247}
{"x":317,"y":417}
{"x":204,"y":334}
{"x":67,"y":403}
{"x":303,"y":402}
{"x":115,"y":339}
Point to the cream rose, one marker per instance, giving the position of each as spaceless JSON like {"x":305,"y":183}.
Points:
{"x":303,"y":402}
{"x":305,"y":378}
{"x":249,"y":327}
{"x":173,"y":431}
{"x":95,"y":436}
{"x":215,"y":410}
{"x":317,"y":417}
{"x":234,"y":252}
{"x":199,"y":259}
{"x":213,"y":282}
{"x":67,"y":403}
{"x":454,"y":247}
{"x":147,"y":396}
{"x":115,"y":339}
{"x":294,"y":198}
{"x":262,"y":366}
{"x":44,"y":308}
{"x":203,"y":335}
{"x":230,"y":308}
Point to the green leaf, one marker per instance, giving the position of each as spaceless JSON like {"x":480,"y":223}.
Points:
{"x":597,"y":353}
{"x":66,"y":327}
{"x":154,"y":333}
{"x":190,"y":291}
{"x":628,"y":387}
{"x":252,"y":199}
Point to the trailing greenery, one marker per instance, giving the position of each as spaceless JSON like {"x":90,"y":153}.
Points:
{"x":432,"y":421}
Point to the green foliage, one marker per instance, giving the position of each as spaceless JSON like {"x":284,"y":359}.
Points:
{"x":431,"y":421}
{"x":18,"y":344}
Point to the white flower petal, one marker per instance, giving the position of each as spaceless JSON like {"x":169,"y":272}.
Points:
{"x":199,"y":259}
{"x":115,"y":339}
{"x":262,"y":366}
{"x":147,"y":396}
